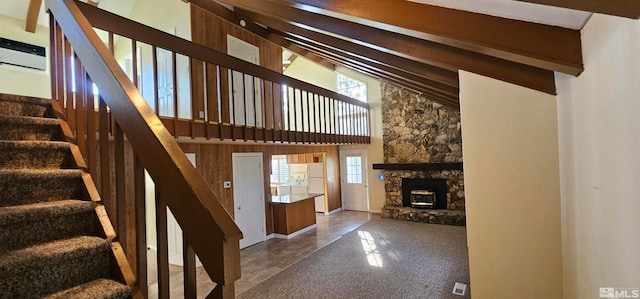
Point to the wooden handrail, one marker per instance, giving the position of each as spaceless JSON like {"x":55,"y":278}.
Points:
{"x":113,"y":23}
{"x":192,"y":202}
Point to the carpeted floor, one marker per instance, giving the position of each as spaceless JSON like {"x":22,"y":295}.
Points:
{"x":381,"y":259}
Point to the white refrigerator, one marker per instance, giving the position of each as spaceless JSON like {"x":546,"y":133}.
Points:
{"x":316,"y":182}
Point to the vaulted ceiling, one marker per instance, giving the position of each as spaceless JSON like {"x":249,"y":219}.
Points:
{"x":422,"y":44}
{"x":419,"y":44}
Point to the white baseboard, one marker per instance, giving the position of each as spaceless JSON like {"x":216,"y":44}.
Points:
{"x":333,"y":212}
{"x":375,"y":211}
{"x":302,"y":231}
{"x":269,"y":237}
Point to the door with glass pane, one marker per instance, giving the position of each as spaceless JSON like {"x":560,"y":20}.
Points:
{"x":353,"y":173}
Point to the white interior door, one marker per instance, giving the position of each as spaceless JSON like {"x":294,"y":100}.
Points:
{"x":245,"y":90}
{"x":353,"y":173}
{"x":248,"y":197}
{"x":165,"y":83}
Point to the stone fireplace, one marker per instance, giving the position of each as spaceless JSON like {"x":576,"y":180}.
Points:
{"x":422,"y":142}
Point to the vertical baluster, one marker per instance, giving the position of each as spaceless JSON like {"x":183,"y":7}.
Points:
{"x":163,"y":247}
{"x":351,"y":124}
{"x":189,"y":261}
{"x":306,"y":126}
{"x":174,"y":77}
{"x":221,"y":103}
{"x":244,"y":102}
{"x":91,"y":128}
{"x":263,"y":109}
{"x":323,"y":104}
{"x":274,"y":105}
{"x":338,"y":105}
{"x":354,"y":120}
{"x":314,"y":118}
{"x":339,"y":125}
{"x":255,"y":108}
{"x":121,"y":202}
{"x":112,"y":47}
{"x":156,"y":95}
{"x":134,"y":62}
{"x":59,"y":68}
{"x":330,"y":118}
{"x":53,"y":50}
{"x":281,"y":109}
{"x":68,"y":70}
{"x":80,"y":112}
{"x":232,"y":113}
{"x":105,"y":155}
{"x":368,"y":122}
{"x":295,"y":115}
{"x":213,"y":94}
{"x":312,"y":109}
{"x":304,"y":115}
{"x":141,"y":226}
{"x":205,"y":100}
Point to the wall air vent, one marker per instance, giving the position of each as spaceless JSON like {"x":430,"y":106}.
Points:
{"x":22,"y":54}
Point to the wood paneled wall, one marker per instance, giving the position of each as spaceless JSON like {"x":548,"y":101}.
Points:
{"x":215,"y":165}
{"x":211,"y":31}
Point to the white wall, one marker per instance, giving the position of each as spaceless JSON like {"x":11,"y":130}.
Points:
{"x":18,"y":80}
{"x":599,"y":119}
{"x":310,"y":72}
{"x":510,"y":149}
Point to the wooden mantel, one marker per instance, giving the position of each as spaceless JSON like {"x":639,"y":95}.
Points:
{"x":419,"y":166}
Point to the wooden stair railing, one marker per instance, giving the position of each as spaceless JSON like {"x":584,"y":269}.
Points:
{"x":138,"y":141}
{"x":285,"y":109}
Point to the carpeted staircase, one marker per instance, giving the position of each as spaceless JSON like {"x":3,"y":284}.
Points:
{"x":52,"y":243}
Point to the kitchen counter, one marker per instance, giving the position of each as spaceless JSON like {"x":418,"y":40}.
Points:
{"x":293,"y":214}
{"x":293,"y":198}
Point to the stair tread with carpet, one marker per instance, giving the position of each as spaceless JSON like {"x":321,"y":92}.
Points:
{"x":29,"y":128}
{"x":23,"y":225}
{"x":99,"y":288}
{"x":52,"y":242}
{"x":34,"y":154}
{"x":47,"y":268}
{"x":24,"y":106}
{"x":26,"y":186}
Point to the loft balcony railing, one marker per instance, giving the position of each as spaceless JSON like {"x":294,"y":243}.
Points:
{"x":241,"y":101}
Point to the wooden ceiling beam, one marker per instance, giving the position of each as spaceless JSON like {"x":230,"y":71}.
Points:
{"x":32,"y":15}
{"x":444,"y":99}
{"x":622,"y":8}
{"x":363,"y":53}
{"x":542,"y":46}
{"x":258,"y":30}
{"x":377,"y":68}
{"x":386,"y":61}
{"x":361,"y":37}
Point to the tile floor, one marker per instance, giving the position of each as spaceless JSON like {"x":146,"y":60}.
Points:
{"x":265,"y":259}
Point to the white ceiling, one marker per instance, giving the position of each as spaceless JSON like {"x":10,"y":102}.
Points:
{"x":554,"y":16}
{"x":18,"y":9}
